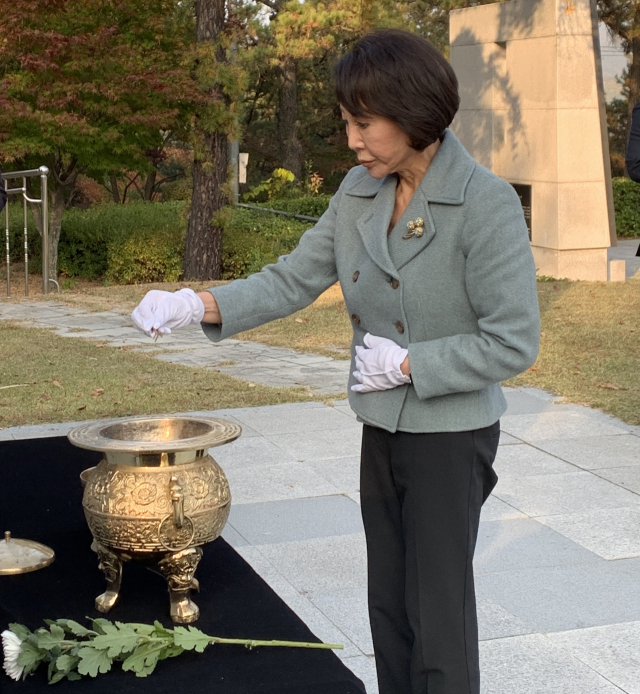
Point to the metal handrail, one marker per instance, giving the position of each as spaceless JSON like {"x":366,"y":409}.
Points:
{"x":43,"y":172}
{"x":302,"y":217}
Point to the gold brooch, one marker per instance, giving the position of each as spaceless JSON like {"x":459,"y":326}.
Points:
{"x":415,"y":227}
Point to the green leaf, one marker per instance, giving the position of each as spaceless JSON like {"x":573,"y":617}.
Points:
{"x":99,"y":624}
{"x":141,"y":629}
{"x":119,"y":638}
{"x":20,"y":631}
{"x":170,"y":652}
{"x":61,"y":667}
{"x":73,"y":676}
{"x":74,"y":627}
{"x":57,"y":676}
{"x":191,"y":639}
{"x":50,"y":639}
{"x":93,"y":661}
{"x":66,"y":662}
{"x":30,"y":656}
{"x":144,"y":659}
{"x":161,"y":630}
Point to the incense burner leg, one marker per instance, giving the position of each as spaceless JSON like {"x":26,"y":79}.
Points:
{"x":179,"y":569}
{"x":111,"y":565}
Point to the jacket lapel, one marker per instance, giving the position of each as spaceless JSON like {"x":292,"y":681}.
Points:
{"x":444,"y":183}
{"x":373,"y":224}
{"x":403,"y":250}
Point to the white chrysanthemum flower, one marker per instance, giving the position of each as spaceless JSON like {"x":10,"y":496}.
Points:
{"x":12,"y":646}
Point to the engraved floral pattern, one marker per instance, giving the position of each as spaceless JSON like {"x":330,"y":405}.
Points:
{"x":145,"y":493}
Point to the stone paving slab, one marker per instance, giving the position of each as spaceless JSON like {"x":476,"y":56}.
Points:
{"x":523,"y":460}
{"x":627,"y":477}
{"x":626,"y":250}
{"x":298,"y":519}
{"x":596,"y":452}
{"x":314,"y":618}
{"x":566,"y":421}
{"x":572,"y":492}
{"x":524,"y":543}
{"x":558,"y":598}
{"x":611,"y":650}
{"x":532,"y":664}
{"x":347,"y":609}
{"x":609,"y":533}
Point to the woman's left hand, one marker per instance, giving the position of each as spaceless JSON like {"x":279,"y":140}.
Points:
{"x":379,"y":365}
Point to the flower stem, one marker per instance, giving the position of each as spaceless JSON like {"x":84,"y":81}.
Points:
{"x":250,"y":643}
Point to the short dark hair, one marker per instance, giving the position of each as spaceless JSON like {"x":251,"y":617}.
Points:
{"x":402,"y":77}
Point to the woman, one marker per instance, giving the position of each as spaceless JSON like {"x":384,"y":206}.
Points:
{"x":433,"y":257}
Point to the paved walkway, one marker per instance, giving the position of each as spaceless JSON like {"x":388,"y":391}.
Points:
{"x":626,"y":250}
{"x":558,"y":555}
{"x":272,"y":366}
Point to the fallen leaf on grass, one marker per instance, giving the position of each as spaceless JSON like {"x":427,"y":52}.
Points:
{"x":118,"y":402}
{"x":543,"y":334}
{"x":252,"y":385}
{"x":96,"y":392}
{"x":533,"y":368}
{"x":302,"y":320}
{"x":84,"y":407}
{"x":44,"y":396}
{"x":608,"y":386}
{"x":57,"y":384}
{"x":131,"y":387}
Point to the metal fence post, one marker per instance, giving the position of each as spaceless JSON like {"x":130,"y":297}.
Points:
{"x":44,"y":172}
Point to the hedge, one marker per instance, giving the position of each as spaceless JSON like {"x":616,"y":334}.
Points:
{"x":312,"y":206}
{"x":626,"y":202}
{"x":253,"y":239}
{"x":144,"y":242}
{"x":86,"y":235}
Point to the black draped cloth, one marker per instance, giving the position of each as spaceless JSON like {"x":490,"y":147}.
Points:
{"x":40,"y":499}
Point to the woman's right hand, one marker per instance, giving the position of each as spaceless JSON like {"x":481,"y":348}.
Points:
{"x":161,"y":312}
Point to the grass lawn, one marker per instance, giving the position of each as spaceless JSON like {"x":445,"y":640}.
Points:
{"x":590,"y":348}
{"x":47,"y":378}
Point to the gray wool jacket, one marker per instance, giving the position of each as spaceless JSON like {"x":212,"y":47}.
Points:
{"x":461,"y":298}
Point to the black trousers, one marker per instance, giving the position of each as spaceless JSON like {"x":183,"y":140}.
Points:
{"x":421,"y":496}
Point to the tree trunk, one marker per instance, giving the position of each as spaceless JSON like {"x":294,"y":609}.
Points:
{"x":288,"y":123}
{"x":634,"y":79}
{"x":149,"y":186}
{"x":115,"y":193}
{"x":203,"y":246}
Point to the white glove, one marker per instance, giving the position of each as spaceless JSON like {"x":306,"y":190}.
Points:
{"x":378,"y":367}
{"x":161,"y":312}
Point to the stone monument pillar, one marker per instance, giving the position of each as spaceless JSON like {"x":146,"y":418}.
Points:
{"x":532,"y":111}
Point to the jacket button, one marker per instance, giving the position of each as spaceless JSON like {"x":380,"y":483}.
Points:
{"x":355,"y":318}
{"x":394,"y":283}
{"x":356,"y":274}
{"x":399,"y":327}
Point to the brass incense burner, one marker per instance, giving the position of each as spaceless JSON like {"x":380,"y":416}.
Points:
{"x":155,"y":498}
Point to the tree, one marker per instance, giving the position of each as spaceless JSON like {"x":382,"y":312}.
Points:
{"x":622,"y":18}
{"x":617,"y":118}
{"x":312,"y":36}
{"x":222,"y":82}
{"x":88,"y":86}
